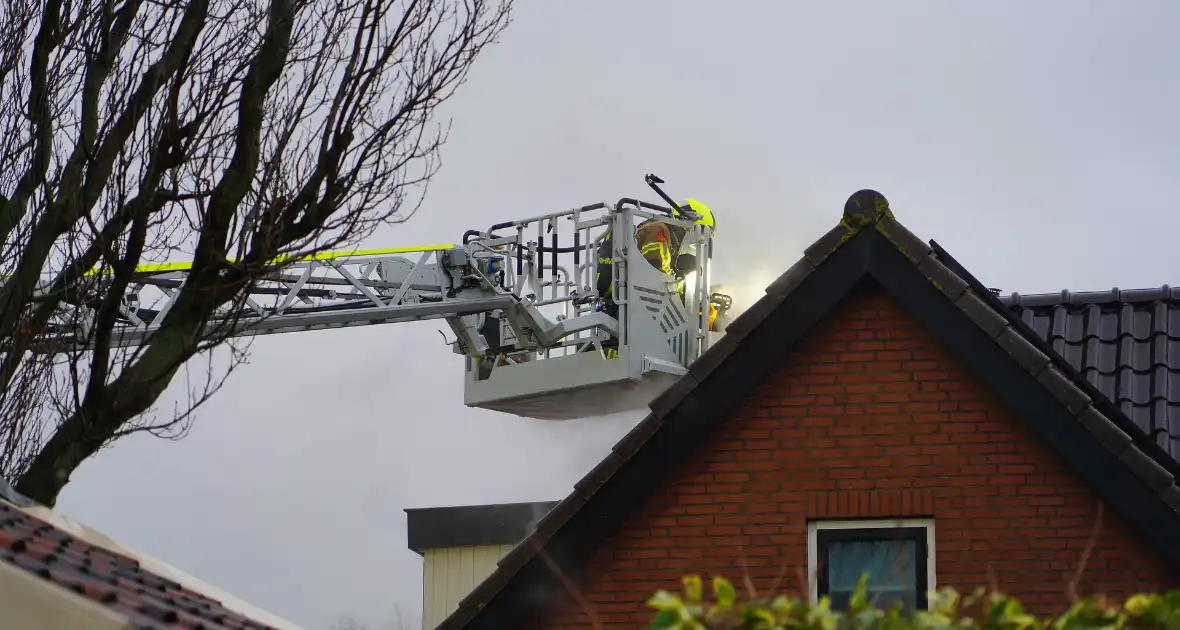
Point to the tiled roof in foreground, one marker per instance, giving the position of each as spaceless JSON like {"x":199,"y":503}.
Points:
{"x":147,"y":598}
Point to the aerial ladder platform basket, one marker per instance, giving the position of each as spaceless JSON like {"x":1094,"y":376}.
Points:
{"x":568,"y":371}
{"x":521,"y":300}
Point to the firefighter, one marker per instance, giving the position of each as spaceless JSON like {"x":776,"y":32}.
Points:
{"x":606,"y":258}
{"x":659,"y":243}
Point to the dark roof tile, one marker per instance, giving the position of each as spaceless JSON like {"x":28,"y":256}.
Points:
{"x":978,"y":311}
{"x":791,"y":278}
{"x":1171,"y":496}
{"x":638,"y":436}
{"x":519,"y":555}
{"x":1148,"y":469}
{"x":1126,"y":343}
{"x":1030,"y":358}
{"x":1064,"y":390}
{"x":483,"y":592}
{"x":712,"y":358}
{"x":560,"y":514}
{"x":669,"y":398}
{"x":912,"y":247}
{"x":1112,"y":437}
{"x":944,"y":279}
{"x":599,"y":475}
{"x":819,"y":251}
{"x":752,"y":317}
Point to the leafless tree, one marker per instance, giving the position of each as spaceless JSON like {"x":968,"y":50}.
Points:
{"x":228,"y":132}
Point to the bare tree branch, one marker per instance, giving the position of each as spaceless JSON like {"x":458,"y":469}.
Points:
{"x":232,"y":133}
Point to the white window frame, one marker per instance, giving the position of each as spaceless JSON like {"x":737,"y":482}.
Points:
{"x":814,"y":527}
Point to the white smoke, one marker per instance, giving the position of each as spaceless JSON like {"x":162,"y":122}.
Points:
{"x":747,"y":288}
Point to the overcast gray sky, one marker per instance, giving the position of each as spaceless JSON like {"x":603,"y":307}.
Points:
{"x":1037,"y":141}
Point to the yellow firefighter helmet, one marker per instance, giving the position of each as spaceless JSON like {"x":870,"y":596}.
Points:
{"x":701,"y":209}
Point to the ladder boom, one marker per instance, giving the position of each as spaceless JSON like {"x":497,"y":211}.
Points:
{"x":331,"y":290}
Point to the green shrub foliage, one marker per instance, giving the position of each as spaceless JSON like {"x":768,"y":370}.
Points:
{"x":981,"y":610}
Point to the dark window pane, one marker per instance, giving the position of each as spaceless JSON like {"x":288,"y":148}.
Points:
{"x":892,"y":566}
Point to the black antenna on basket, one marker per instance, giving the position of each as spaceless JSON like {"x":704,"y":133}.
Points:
{"x":654,"y":181}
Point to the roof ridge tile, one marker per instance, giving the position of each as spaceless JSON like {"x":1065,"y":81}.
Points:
{"x":983,"y":315}
{"x":1115,"y":295}
{"x":942,"y":277}
{"x":1064,"y":390}
{"x":1156,"y":477}
{"x":1020,"y":348}
{"x":820,"y":250}
{"x":790,"y":279}
{"x":638,"y":435}
{"x":908,"y":243}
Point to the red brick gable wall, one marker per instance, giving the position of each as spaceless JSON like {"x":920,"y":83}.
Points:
{"x":870,"y":417}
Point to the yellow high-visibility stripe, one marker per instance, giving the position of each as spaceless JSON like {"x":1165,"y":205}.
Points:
{"x":185,"y":266}
{"x":665,"y":255}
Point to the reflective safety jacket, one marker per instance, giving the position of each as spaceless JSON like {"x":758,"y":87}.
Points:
{"x":657,"y":242}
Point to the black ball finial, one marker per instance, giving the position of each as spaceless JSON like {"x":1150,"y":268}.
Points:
{"x":866,"y":207}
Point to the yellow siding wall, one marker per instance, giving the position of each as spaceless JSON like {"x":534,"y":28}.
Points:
{"x":449,"y":574}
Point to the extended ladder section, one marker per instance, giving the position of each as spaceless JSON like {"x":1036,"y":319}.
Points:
{"x":522,"y":301}
{"x":330,"y":290}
